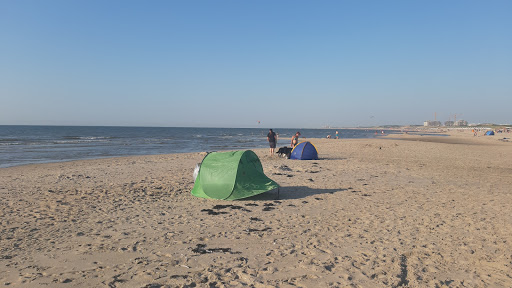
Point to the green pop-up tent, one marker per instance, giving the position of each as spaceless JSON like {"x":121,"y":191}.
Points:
{"x":231,"y":176}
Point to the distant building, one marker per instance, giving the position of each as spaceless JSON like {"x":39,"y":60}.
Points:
{"x":449,"y":123}
{"x":461,"y":123}
{"x":432,"y":123}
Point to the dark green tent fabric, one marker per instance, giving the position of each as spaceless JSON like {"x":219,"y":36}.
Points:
{"x":231,"y":176}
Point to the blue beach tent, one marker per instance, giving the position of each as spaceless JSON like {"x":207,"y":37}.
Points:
{"x":304,"y":151}
{"x":488,"y":133}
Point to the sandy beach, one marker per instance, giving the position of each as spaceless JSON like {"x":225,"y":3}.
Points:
{"x":407,"y":211}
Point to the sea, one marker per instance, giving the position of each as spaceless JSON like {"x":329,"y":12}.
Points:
{"x":20,"y":145}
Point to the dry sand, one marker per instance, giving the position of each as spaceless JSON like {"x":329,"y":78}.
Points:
{"x":419,"y":211}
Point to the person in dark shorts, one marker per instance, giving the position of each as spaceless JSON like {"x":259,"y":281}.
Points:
{"x":295,"y":139}
{"x":272,"y":141}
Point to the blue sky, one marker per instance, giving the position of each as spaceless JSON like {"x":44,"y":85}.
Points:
{"x":233,"y":63}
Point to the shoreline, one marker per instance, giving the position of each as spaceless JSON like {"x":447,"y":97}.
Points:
{"x":46,"y":144}
{"x":378,"y":136}
{"x":455,"y":134}
{"x":375,"y":212}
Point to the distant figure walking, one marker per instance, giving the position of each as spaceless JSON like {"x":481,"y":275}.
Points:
{"x":272,"y":141}
{"x":337,"y":136}
{"x":295,"y":139}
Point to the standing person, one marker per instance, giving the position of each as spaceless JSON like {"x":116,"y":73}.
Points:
{"x":272,"y":141}
{"x":295,"y":139}
{"x":337,"y":136}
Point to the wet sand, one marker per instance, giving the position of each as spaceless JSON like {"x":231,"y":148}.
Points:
{"x":412,"y":211}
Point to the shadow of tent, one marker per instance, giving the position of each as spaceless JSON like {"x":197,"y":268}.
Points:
{"x":290,"y":192}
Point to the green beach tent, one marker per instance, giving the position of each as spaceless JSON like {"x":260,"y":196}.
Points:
{"x":231,"y":176}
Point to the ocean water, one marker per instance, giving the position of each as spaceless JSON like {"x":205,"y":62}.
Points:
{"x":21,"y":145}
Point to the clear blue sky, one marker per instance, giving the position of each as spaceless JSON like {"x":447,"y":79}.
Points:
{"x":233,"y":63}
